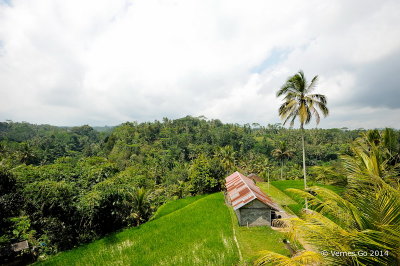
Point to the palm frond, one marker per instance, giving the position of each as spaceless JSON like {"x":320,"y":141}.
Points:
{"x":307,"y":258}
{"x":269,"y":257}
{"x":301,"y":258}
{"x":312,"y":85}
{"x":323,"y":108}
{"x":301,"y":81}
{"x":318,"y":97}
{"x":315,"y":113}
{"x":288,"y":87}
{"x":293,"y":117}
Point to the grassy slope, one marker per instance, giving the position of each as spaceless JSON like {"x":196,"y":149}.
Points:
{"x":293,"y":202}
{"x":280,"y":197}
{"x":190,"y":231}
{"x":196,"y":233}
{"x":284,"y":184}
{"x":175,"y":205}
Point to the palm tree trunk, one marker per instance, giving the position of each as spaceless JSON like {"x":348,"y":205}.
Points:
{"x":281,"y":169}
{"x":304,"y":162}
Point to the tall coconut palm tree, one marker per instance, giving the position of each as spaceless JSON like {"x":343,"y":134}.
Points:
{"x":282,"y":153}
{"x":265,"y":173}
{"x":300,"y":102}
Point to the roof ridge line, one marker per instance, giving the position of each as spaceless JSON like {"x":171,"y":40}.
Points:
{"x":252,"y":192}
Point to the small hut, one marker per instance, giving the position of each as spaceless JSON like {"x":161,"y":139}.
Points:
{"x":251,"y":205}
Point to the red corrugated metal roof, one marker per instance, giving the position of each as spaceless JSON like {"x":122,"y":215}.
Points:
{"x":242,"y":190}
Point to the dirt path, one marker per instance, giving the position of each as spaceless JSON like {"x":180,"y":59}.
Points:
{"x":305,"y":245}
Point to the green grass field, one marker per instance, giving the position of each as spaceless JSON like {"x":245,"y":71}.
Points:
{"x":193,"y":231}
{"x":285,"y":184}
{"x":289,"y":204}
{"x":295,"y":203}
{"x":175,"y":205}
{"x":252,"y":240}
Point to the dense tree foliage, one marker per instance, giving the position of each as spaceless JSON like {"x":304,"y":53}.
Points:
{"x":60,"y":187}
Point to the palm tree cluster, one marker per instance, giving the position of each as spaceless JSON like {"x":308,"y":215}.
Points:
{"x":227,"y":155}
{"x":141,"y":208}
{"x":282,"y":153}
{"x":365,"y":221}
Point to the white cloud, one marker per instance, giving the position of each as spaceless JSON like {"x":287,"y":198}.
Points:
{"x":106,"y":62}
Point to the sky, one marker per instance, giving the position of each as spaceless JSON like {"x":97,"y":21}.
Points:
{"x":107,"y":62}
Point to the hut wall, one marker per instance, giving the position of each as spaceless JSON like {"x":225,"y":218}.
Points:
{"x":254,"y":213}
{"x":238,"y":216}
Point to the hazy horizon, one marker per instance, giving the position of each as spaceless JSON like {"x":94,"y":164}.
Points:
{"x":309,"y":126}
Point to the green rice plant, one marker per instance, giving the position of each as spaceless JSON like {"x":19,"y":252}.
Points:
{"x":197,"y":232}
{"x":175,"y":205}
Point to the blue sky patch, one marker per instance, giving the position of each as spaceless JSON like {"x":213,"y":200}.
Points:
{"x":274,"y":58}
{"x":5,"y":2}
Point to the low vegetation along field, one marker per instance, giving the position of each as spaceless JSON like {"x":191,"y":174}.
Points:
{"x":193,"y":231}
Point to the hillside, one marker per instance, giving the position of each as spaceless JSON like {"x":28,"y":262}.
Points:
{"x":71,"y":186}
{"x":194,"y":231}
{"x":63,"y":187}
